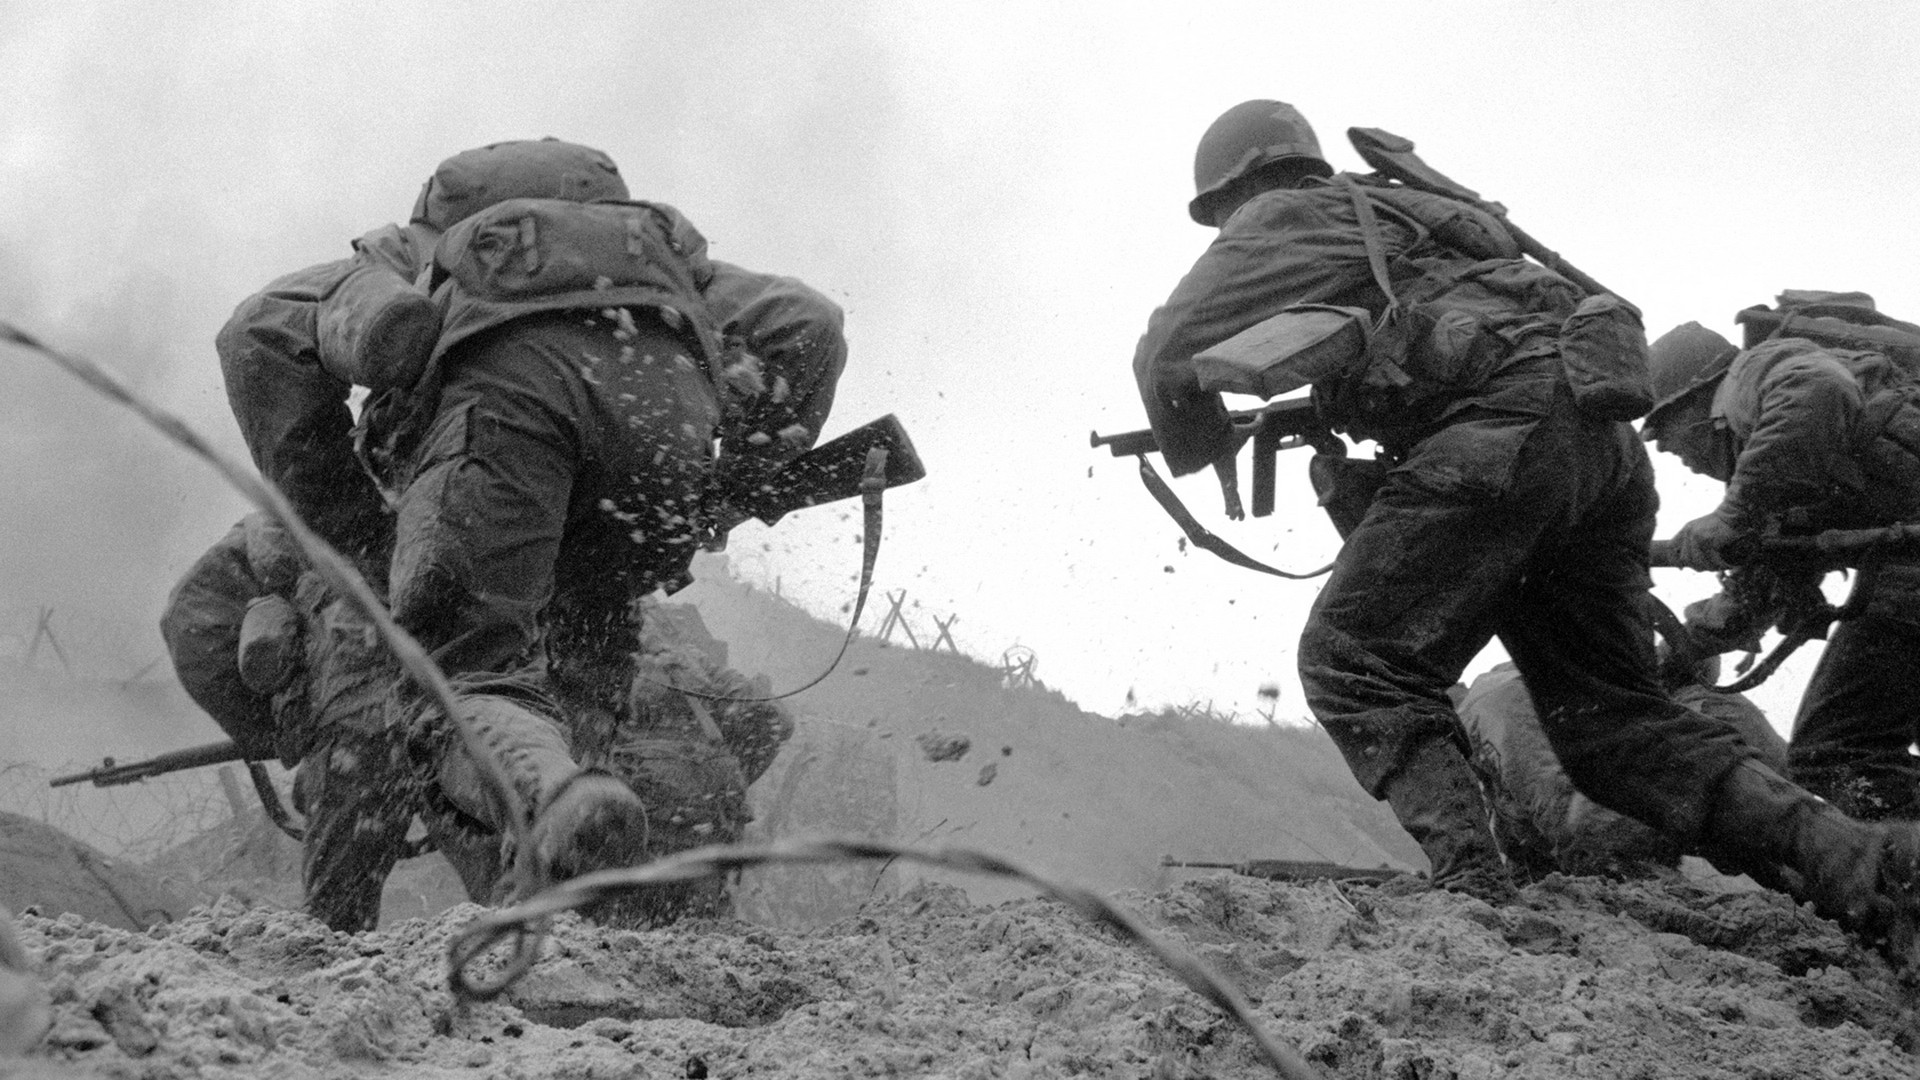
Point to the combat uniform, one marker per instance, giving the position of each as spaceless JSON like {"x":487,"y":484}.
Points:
{"x":291,"y":398}
{"x":291,"y":356}
{"x":1824,"y":438}
{"x":1506,"y":510}
{"x":1543,"y":823}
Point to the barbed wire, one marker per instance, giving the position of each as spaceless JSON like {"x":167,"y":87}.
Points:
{"x":340,"y":576}
{"x":137,"y":823}
{"x":526,"y":924}
{"x":529,"y":918}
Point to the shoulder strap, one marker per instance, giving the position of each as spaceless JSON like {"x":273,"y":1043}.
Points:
{"x":1370,"y":233}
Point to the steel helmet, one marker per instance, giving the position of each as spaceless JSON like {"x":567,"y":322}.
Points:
{"x":1246,"y":137}
{"x":471,"y":181}
{"x":1683,"y":360}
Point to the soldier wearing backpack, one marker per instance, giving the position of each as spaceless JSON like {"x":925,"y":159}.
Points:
{"x":1808,"y":437}
{"x":1507,"y":506}
{"x":292,"y":355}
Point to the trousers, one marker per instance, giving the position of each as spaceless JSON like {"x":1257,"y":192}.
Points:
{"x":1547,"y":551}
{"x":1859,"y":718}
{"x":559,"y":482}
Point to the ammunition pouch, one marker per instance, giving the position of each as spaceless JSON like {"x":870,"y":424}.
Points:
{"x":1603,"y":347}
{"x":1419,"y":359}
{"x":1303,"y":345}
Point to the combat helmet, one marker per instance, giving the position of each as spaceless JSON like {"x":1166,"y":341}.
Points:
{"x":1246,"y":137}
{"x":472,"y":180}
{"x":1683,"y":360}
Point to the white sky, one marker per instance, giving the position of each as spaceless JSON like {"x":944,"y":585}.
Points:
{"x":996,"y":193}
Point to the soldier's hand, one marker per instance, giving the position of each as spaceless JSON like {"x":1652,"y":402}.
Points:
{"x":1704,"y":543}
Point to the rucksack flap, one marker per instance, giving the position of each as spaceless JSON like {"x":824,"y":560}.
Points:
{"x":1845,"y":320}
{"x":525,"y":256}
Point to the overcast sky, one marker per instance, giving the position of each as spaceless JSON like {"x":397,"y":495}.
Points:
{"x":994,"y":191}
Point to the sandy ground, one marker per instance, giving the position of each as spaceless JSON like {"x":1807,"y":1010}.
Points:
{"x":872,"y":970}
{"x":1582,"y":978}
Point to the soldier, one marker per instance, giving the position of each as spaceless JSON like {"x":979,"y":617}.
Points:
{"x":1542,"y":823}
{"x":292,"y":355}
{"x":1808,"y":438}
{"x":1506,"y":509}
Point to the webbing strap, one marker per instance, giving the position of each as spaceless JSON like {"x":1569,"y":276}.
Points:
{"x":1370,"y":233}
{"x":1199,"y":536}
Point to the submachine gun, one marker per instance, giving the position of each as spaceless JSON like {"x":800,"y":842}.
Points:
{"x":1282,"y":425}
{"x":1293,"y":422}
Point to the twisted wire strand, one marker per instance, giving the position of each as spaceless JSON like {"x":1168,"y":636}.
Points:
{"x":475,"y":939}
{"x":333,"y":567}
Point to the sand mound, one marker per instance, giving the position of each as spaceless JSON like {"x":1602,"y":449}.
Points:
{"x":45,"y":869}
{"x":1582,"y":978}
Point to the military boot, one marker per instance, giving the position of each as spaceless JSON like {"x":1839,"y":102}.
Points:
{"x":582,"y":820}
{"x":1864,"y":876}
{"x":1438,"y":801}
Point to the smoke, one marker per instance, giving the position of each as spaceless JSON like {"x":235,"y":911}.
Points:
{"x":993,"y":192}
{"x":176,"y":160}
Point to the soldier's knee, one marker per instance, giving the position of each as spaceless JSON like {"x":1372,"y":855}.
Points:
{"x":1327,"y":658}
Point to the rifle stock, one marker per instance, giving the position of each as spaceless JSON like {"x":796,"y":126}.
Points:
{"x":832,"y":471}
{"x":112,"y":774}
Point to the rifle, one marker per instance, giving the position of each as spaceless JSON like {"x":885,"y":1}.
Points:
{"x":827,"y":473}
{"x":1290,"y":869}
{"x":1392,"y":156}
{"x":1809,"y":615}
{"x":1281,"y":425}
{"x":110,"y":773}
{"x":1834,"y":549}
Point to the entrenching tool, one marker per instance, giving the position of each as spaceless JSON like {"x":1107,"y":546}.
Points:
{"x":1392,"y":156}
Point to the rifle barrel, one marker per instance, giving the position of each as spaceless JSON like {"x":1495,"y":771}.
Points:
{"x":1832,"y":549}
{"x":112,"y":774}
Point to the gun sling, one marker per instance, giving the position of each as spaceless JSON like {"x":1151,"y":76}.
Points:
{"x":1198,"y":534}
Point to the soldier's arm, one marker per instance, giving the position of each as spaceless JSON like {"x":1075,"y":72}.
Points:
{"x":795,"y":339}
{"x":292,"y":412}
{"x":1282,"y":248}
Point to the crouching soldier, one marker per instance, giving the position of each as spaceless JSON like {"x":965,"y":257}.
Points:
{"x":292,"y":673}
{"x":1810,"y":435}
{"x":1544,"y":824}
